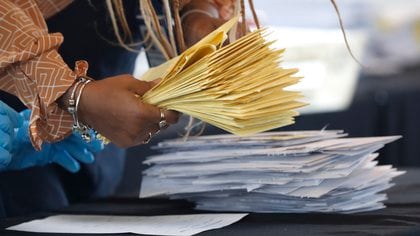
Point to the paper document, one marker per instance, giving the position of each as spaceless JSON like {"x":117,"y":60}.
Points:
{"x":240,"y":87}
{"x":299,"y":171}
{"x":151,"y":225}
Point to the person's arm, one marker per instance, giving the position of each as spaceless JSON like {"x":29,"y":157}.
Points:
{"x":197,"y":26}
{"x":201,"y":17}
{"x":32,"y":69}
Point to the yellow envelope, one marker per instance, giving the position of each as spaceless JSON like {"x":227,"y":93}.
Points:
{"x":238,"y":87}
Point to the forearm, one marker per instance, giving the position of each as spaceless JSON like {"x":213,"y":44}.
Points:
{"x":32,"y":69}
{"x":38,"y":83}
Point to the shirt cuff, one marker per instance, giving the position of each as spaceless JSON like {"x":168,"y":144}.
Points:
{"x":46,"y":78}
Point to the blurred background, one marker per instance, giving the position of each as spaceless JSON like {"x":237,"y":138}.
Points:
{"x":382,"y":98}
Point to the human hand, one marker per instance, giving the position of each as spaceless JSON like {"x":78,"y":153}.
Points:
{"x":67,"y":153}
{"x":112,"y":107}
{"x":197,"y":26}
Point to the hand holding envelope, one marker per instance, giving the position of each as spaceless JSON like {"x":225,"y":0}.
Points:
{"x":238,"y":87}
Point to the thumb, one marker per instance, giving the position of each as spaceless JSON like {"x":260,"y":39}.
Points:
{"x":141,"y":87}
{"x":156,"y":81}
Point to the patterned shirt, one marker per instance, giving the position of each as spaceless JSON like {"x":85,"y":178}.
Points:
{"x":32,"y":69}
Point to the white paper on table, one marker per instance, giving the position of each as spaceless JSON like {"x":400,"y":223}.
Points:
{"x":151,"y":225}
{"x":257,"y":165}
{"x":272,"y":172}
{"x":155,"y":187}
{"x":347,"y":146}
{"x":262,"y":139}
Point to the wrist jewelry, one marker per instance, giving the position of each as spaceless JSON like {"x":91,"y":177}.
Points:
{"x":74,"y":100}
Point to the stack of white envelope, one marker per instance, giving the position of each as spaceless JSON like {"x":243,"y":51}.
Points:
{"x":294,"y":172}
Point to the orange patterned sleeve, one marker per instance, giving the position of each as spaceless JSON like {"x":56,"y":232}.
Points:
{"x":32,"y":69}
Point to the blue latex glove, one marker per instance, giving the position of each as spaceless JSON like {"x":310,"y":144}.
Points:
{"x":9,"y":120}
{"x":67,"y":153}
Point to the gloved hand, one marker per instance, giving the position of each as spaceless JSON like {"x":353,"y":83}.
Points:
{"x":9,"y":119}
{"x":66,"y":153}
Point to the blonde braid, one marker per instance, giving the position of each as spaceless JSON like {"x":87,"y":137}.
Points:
{"x":157,"y":26}
{"x":254,"y":13}
{"x":123,"y":20}
{"x":178,"y":26}
{"x":147,"y":22}
{"x":116,"y":28}
{"x":344,"y":33}
{"x":243,"y":26}
{"x":168,"y":15}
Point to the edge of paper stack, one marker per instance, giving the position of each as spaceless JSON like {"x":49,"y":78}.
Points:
{"x":291,"y":172}
{"x":238,"y":87}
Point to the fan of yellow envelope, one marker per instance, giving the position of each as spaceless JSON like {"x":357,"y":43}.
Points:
{"x":238,"y":87}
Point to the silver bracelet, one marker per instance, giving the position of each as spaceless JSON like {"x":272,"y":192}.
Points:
{"x":76,"y":107}
{"x":72,"y":102}
{"x":79,"y":127}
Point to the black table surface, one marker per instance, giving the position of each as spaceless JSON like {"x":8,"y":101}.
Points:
{"x":401,"y":217}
